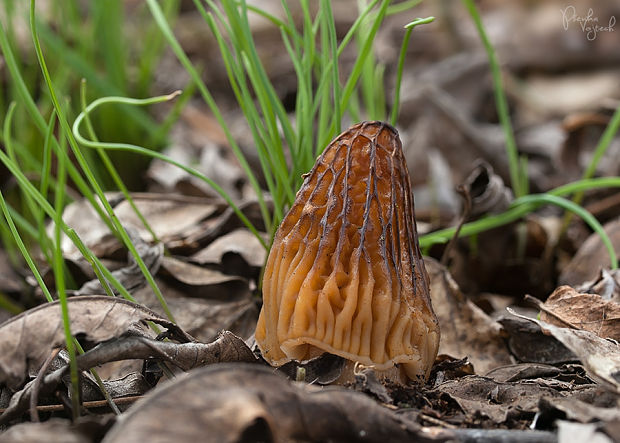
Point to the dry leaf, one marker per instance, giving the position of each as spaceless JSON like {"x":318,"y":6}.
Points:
{"x":488,"y":192}
{"x":58,"y":430}
{"x":606,"y":284}
{"x":226,"y":348}
{"x":130,"y":276}
{"x":198,"y":281}
{"x":27,"y":339}
{"x":238,"y":243}
{"x":528,"y":343}
{"x":496,"y":400}
{"x":171,"y":216}
{"x":231,"y":307}
{"x":590,"y":312}
{"x":600,"y":357}
{"x":240,"y":402}
{"x":466,"y":331}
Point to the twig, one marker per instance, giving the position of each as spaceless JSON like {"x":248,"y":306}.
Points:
{"x":464,"y":193}
{"x":436,"y":421}
{"x":34,"y":397}
{"x":86,"y":404}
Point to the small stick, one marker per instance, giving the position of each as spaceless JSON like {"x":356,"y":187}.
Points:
{"x":464,"y":193}
{"x":86,"y":404}
{"x":36,"y":386}
{"x":437,"y":421}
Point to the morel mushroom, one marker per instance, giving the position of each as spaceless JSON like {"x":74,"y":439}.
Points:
{"x":345,"y":274}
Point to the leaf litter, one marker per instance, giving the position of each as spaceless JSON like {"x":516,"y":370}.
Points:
{"x":498,"y":376}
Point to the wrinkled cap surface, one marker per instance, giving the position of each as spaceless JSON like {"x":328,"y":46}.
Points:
{"x":345,"y":274}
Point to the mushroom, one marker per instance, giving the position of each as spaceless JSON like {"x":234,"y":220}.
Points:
{"x":345,"y":274}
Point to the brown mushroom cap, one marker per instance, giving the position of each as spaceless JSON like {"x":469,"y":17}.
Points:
{"x":345,"y":274}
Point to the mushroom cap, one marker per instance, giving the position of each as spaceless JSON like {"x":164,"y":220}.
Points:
{"x":345,"y":274}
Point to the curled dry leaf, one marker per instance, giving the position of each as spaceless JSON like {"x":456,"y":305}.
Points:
{"x":600,"y":357}
{"x":590,"y":312}
{"x":522,"y":371}
{"x":226,"y":348}
{"x":212,"y":229}
{"x":466,"y":331}
{"x":27,"y":339}
{"x":197,"y":281}
{"x":176,"y":220}
{"x":345,"y":274}
{"x":240,"y":402}
{"x":488,"y":192}
{"x":229,"y":248}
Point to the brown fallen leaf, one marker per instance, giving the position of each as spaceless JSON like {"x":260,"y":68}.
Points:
{"x":228,"y":249}
{"x":229,"y":221}
{"x":600,"y":357}
{"x":170,"y":216}
{"x":198,"y":281}
{"x":528,"y":343}
{"x":27,"y":339}
{"x":590,"y":312}
{"x":499,"y":401}
{"x":130,"y":276}
{"x":466,"y":331}
{"x":231,"y":307}
{"x":237,"y":402}
{"x":580,"y":411}
{"x":488,"y":192}
{"x":173,"y":218}
{"x":58,"y":430}
{"x":521,"y":371}
{"x":227,"y":348}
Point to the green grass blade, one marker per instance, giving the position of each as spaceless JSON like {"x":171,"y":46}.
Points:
{"x":500,"y":101}
{"x":401,"y":64}
{"x":40,"y":123}
{"x":577,"y":210}
{"x":80,"y":159}
{"x":23,"y":249}
{"x":140,"y":150}
{"x":601,"y":148}
{"x":189,"y":67}
{"x":514,"y":212}
{"x":110,"y":167}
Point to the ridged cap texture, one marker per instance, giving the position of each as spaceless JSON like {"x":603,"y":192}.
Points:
{"x":345,"y":274}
